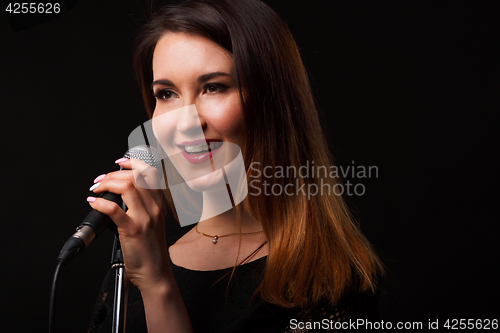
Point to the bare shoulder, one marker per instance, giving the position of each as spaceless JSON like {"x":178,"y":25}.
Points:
{"x":183,"y":249}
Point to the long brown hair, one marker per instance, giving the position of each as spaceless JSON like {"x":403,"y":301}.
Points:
{"x":316,"y":250}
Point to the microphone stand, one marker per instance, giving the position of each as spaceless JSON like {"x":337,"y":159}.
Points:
{"x":121,"y":289}
{"x":121,"y":284}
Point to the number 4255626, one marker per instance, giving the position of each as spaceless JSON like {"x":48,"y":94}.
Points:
{"x":33,"y":8}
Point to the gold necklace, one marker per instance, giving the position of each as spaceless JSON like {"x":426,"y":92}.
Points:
{"x":215,"y":238}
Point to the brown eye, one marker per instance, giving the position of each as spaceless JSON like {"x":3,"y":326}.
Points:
{"x":164,"y":94}
{"x":212,"y":88}
{"x":215,"y":88}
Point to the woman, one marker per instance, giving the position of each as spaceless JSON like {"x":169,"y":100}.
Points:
{"x":234,"y":71}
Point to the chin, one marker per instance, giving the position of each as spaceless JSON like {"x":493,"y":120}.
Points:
{"x":212,"y":182}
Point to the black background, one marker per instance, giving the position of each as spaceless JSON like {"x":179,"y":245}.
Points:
{"x":405,"y":86}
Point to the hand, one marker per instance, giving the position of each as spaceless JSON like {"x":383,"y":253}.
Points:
{"x":141,"y":228}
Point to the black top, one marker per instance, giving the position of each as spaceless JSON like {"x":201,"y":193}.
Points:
{"x":214,"y":305}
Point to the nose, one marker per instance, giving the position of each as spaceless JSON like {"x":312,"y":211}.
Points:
{"x":190,"y":121}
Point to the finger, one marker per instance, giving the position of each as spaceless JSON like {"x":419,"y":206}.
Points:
{"x":145,"y":176}
{"x":153,"y":195}
{"x":120,"y":174}
{"x":150,"y":197}
{"x":111,"y":209}
{"x":152,"y":178}
{"x":138,"y":202}
{"x":124,"y":163}
{"x":133,"y":164}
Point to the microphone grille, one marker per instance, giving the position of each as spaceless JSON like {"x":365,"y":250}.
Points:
{"x":146,"y":154}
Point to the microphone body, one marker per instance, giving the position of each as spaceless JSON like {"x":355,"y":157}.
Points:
{"x":91,"y":227}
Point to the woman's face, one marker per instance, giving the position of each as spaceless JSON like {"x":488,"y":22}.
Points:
{"x":198,"y":118}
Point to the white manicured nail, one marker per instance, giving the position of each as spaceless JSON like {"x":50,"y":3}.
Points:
{"x":93,"y":187}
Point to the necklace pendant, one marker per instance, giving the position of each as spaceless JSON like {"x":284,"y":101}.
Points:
{"x":215,"y":239}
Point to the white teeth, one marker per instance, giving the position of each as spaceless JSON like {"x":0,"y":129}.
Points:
{"x":202,"y":148}
{"x":195,"y":149}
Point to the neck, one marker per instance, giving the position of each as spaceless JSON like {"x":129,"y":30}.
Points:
{"x":225,"y":222}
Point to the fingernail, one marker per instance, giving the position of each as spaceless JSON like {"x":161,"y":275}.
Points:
{"x":91,"y":199}
{"x":123,"y":159}
{"x":93,"y":187}
{"x":99,"y":178}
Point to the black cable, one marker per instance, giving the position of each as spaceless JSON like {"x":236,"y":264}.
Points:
{"x":53,"y":298}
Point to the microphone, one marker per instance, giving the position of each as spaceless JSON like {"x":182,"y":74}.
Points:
{"x":96,"y":222}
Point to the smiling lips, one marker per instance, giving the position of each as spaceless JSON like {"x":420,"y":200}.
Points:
{"x":199,"y":151}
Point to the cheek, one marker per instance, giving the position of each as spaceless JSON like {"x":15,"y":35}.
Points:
{"x":163,"y":125}
{"x":227,"y":119}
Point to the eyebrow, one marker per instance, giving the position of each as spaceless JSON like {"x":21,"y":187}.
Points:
{"x":201,"y":79}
